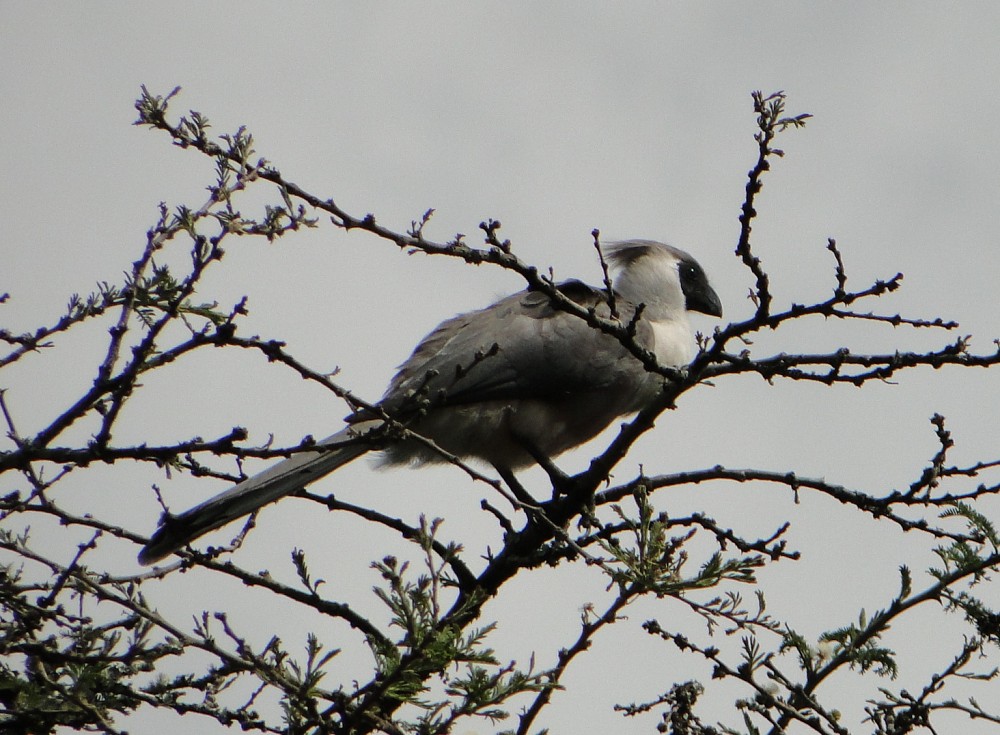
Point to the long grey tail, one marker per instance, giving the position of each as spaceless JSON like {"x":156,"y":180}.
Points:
{"x":284,"y":478}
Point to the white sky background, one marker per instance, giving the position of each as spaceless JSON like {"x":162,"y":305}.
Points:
{"x":634,"y":119}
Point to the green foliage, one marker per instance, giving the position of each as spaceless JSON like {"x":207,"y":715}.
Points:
{"x":63,"y":669}
{"x":474,"y":682}
{"x":654,"y":561}
{"x":857,"y":644}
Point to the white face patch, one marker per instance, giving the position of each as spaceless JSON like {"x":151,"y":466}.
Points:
{"x":653,"y":281}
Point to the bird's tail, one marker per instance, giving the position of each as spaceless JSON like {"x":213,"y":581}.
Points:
{"x":284,"y":478}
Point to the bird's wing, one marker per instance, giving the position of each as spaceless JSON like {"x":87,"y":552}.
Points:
{"x":519,"y":348}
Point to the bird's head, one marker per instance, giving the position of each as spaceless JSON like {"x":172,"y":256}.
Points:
{"x":664,"y":278}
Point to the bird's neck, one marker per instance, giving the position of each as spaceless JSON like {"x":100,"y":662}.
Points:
{"x":672,"y":340}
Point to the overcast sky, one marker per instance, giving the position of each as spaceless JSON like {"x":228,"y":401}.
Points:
{"x":633,"y":118}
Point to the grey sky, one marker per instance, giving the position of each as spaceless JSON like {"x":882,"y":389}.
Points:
{"x":634,"y":119}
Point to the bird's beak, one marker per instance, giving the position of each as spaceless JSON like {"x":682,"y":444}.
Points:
{"x":705,"y":300}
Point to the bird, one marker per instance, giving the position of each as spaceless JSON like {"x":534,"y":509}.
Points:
{"x":506,"y":384}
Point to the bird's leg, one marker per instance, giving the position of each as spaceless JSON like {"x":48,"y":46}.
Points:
{"x":522,"y":495}
{"x":535,"y":511}
{"x":563,"y":485}
{"x":561,"y":482}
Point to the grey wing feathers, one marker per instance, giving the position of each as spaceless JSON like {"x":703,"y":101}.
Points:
{"x":284,"y":478}
{"x":525,"y":356}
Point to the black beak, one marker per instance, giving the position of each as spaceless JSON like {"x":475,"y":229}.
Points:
{"x":705,"y":300}
{"x":698,"y":295}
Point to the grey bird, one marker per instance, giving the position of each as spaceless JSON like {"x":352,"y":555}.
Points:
{"x":505,"y":384}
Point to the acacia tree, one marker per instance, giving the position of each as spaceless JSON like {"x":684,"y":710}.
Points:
{"x":82,"y":647}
